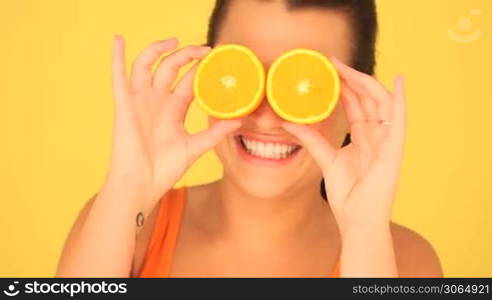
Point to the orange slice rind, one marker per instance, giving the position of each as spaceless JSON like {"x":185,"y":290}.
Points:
{"x":229,"y":82}
{"x":303,"y":86}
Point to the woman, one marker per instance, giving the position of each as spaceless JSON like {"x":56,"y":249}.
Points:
{"x":266,"y":216}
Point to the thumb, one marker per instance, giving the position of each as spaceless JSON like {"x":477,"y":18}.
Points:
{"x":202,"y":142}
{"x":315,"y":143}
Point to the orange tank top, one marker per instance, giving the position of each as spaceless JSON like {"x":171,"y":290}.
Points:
{"x":160,"y":250}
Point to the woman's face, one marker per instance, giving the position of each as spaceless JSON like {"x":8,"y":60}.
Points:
{"x":269,"y":28}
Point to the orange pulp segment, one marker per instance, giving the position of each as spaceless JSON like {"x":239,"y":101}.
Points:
{"x":229,"y":82}
{"x":303,"y":86}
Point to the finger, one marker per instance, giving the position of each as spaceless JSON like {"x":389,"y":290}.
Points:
{"x":141,"y":77}
{"x":119,"y":81}
{"x":367,"y":105}
{"x":399,"y":116}
{"x":184,"y":88}
{"x":351,"y":105}
{"x":184,"y":93}
{"x":366,"y":81}
{"x":314,"y":142}
{"x":368,"y":87}
{"x":201,"y":142}
{"x":168,"y":68}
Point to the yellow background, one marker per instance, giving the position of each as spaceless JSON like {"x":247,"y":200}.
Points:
{"x":56,"y":116}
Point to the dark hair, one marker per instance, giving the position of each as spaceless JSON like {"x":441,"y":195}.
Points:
{"x":363,"y":18}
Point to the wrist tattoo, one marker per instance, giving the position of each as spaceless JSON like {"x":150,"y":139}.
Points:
{"x":140,"y":219}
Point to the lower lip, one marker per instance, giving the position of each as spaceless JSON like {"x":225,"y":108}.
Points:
{"x":260,"y":160}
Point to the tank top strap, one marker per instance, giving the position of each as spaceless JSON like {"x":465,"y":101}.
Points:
{"x":336,"y":270}
{"x":158,"y":257}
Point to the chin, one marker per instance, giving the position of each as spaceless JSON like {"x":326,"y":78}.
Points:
{"x":260,"y":186}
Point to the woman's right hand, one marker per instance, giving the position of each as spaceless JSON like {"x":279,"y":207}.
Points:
{"x":151,"y":149}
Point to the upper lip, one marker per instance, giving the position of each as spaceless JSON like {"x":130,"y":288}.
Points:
{"x":269,"y":138}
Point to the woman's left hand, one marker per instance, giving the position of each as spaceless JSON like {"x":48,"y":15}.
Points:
{"x":361,"y":178}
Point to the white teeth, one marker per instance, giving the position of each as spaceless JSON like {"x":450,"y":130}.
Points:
{"x":268,"y":150}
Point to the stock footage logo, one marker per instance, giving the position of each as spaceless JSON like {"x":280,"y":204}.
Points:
{"x":70,"y":288}
{"x":11,"y":290}
{"x":466,"y":33}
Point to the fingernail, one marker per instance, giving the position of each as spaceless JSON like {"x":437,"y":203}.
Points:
{"x":401,"y":78}
{"x":286,"y":125}
{"x":234,"y":124}
{"x":336,"y":60}
{"x":171,"y":39}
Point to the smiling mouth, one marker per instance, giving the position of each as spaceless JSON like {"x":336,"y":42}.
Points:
{"x":267,"y":150}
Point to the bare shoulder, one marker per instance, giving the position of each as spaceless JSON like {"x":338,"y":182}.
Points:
{"x":194,"y":193}
{"x":415,"y":256}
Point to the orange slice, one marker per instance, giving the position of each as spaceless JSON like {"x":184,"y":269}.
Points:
{"x":229,"y":82}
{"x":303,"y":86}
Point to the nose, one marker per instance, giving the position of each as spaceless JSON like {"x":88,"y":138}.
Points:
{"x":264,"y":117}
